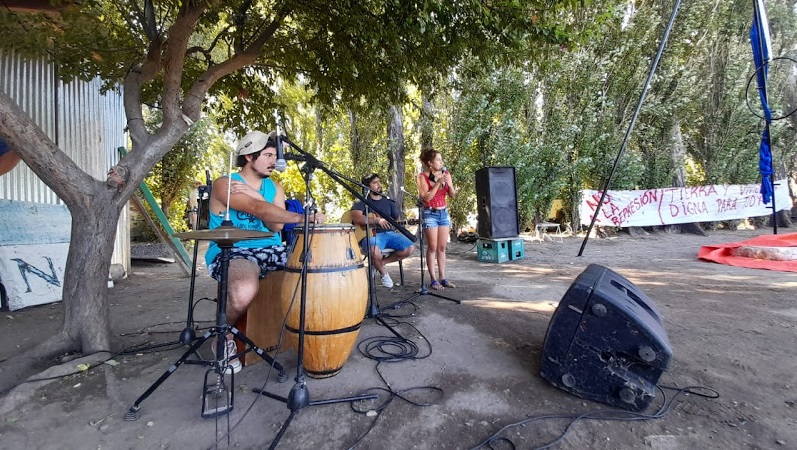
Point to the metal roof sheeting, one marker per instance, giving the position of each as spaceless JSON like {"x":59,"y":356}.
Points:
{"x":87,"y":125}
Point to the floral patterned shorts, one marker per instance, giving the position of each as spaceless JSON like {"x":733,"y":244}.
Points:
{"x":268,"y":259}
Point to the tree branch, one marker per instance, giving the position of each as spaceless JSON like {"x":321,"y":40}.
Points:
{"x":174,"y":57}
{"x":196,"y":95}
{"x":69,"y":182}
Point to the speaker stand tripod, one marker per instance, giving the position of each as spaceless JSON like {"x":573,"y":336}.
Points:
{"x":217,"y":398}
{"x":423,"y":290}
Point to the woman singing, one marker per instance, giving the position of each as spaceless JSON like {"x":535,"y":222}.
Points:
{"x":434,"y":184}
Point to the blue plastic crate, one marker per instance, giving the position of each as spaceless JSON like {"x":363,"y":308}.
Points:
{"x":517,"y":249}
{"x":492,"y":251}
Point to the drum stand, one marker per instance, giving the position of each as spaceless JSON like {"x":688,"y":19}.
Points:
{"x":217,"y":397}
{"x":299,"y":396}
{"x":423,"y":290}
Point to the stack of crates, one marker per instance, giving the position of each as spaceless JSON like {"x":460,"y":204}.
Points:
{"x":500,"y":250}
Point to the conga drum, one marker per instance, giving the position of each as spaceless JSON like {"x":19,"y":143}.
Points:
{"x":337,"y":296}
{"x":262,"y":322}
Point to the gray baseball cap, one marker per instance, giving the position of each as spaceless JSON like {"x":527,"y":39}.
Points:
{"x":255,"y":141}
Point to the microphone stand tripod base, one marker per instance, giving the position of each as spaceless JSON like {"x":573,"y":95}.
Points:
{"x":187,"y":336}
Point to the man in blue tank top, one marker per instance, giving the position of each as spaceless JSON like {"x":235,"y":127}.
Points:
{"x":256,"y":202}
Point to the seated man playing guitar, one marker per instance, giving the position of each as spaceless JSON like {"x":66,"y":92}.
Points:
{"x":383,"y":235}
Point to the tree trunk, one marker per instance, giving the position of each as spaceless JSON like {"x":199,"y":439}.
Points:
{"x":86,"y":326}
{"x":95,"y":207}
{"x":395,"y":153}
{"x":426,"y":122}
{"x":85,"y":283}
{"x":678,"y":152}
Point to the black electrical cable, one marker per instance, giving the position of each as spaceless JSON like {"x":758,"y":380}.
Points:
{"x":393,"y":349}
{"x":601,"y":414}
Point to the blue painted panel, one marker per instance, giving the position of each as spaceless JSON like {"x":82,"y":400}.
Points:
{"x":33,"y":223}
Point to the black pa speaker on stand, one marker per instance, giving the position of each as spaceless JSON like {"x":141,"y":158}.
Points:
{"x":606,"y":341}
{"x":496,"y":203}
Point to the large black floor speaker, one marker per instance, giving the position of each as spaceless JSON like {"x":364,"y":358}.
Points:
{"x":496,"y":203}
{"x":606,"y":341}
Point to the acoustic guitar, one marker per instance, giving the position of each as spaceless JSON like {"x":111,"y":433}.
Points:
{"x":359,"y":230}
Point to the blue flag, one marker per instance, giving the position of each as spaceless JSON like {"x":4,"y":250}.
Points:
{"x":759,"y":40}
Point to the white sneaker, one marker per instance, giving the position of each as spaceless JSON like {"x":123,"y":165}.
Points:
{"x":229,"y":350}
{"x":387,"y":281}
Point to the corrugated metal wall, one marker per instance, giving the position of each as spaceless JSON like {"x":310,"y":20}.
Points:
{"x":86,"y":125}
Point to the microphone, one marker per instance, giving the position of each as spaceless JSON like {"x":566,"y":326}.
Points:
{"x":281,"y":164}
{"x":293,"y":156}
{"x":409,"y":193}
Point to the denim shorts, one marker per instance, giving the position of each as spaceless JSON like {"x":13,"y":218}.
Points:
{"x":436,"y":218}
{"x":388,"y":239}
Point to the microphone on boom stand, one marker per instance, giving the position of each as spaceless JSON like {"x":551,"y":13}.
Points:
{"x":423,"y":290}
{"x":281,"y":164}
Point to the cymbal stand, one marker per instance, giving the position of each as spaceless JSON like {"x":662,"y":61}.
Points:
{"x":423,"y":290}
{"x":217,"y":398}
{"x":299,"y":396}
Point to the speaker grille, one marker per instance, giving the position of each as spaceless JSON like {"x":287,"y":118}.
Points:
{"x":496,"y":197}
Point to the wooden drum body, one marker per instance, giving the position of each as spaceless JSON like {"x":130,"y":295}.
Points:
{"x":262,"y":322}
{"x":337,"y":296}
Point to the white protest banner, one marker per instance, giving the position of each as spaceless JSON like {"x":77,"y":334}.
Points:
{"x":673,"y":205}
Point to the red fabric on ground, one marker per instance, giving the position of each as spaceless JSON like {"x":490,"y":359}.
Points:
{"x":723,"y":253}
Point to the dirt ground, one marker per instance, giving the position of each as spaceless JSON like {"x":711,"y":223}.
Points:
{"x":477,"y":364}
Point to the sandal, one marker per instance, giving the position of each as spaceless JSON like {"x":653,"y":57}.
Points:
{"x":435,"y":285}
{"x":448,"y":284}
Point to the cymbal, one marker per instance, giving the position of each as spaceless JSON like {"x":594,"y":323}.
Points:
{"x":224,"y":234}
